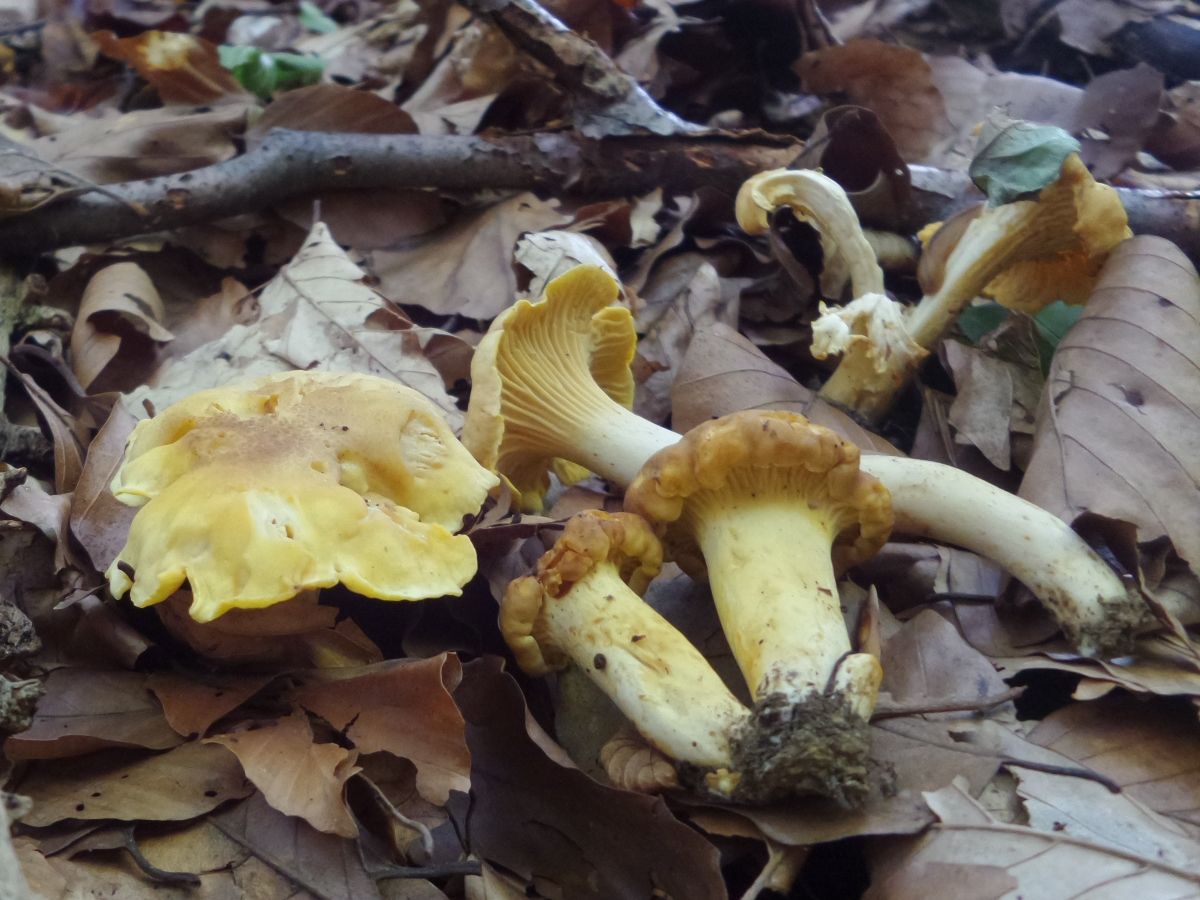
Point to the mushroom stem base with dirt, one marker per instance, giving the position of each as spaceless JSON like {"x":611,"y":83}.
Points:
{"x":775,"y":591}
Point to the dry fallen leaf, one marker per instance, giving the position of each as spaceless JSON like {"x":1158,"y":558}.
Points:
{"x":297,"y":776}
{"x":192,"y":703}
{"x":1120,"y":419}
{"x":180,"y":784}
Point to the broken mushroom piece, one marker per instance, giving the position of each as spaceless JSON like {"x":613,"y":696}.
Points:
{"x":254,"y":493}
{"x":551,"y":382}
{"x":583,"y":604}
{"x":771,"y":508}
{"x":1019,"y":253}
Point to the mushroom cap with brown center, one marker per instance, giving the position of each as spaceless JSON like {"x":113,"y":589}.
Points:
{"x":254,"y":492}
{"x":767,"y":454}
{"x":590,"y":539}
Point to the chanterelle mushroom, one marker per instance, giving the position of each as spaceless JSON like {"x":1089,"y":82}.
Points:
{"x":551,"y":381}
{"x":256,"y":492}
{"x":583,"y":604}
{"x":770,"y":506}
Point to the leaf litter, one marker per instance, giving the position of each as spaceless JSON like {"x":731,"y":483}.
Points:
{"x":1002,"y":760}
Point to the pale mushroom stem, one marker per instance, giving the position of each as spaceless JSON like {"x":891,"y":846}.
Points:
{"x":775,"y":592}
{"x":615,"y":444}
{"x":1095,"y":608}
{"x":653,"y":674}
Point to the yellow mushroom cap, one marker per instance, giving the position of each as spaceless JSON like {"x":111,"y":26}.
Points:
{"x":766,"y":455}
{"x":562,"y":353}
{"x":255,"y":492}
{"x":590,"y":539}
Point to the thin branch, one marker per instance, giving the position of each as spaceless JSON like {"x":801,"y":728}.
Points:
{"x":1069,"y":771}
{"x":463,"y":867}
{"x":152,"y":871}
{"x":607,"y":102}
{"x":390,"y":808}
{"x":295,"y":163}
{"x":895,"y":712}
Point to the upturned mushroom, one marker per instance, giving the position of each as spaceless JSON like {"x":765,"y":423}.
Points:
{"x":551,"y":387}
{"x":770,"y":508}
{"x":1075,"y":584}
{"x":253,"y":494}
{"x":583,"y":604}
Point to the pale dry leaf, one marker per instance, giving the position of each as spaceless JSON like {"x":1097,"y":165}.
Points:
{"x":145,"y":143}
{"x":1120,"y":419}
{"x":297,"y":776}
{"x":98,"y":520}
{"x":83,"y":710}
{"x":1152,"y":750}
{"x":316,"y":313}
{"x":992,"y":859}
{"x":119,"y":305}
{"x":548,"y":254}
{"x":466,"y":267}
{"x":402,"y":707}
{"x":180,"y":784}
{"x":995,"y":397}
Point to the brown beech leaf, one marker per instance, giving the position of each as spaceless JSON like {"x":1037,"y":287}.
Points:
{"x":192,"y":703}
{"x":98,"y":520}
{"x":988,"y":858}
{"x":183,"y":68}
{"x":893,"y":82}
{"x":723,"y":373}
{"x":180,"y":784}
{"x":1152,"y":750}
{"x":84,"y":710}
{"x":538,"y":819}
{"x":297,"y":776}
{"x":120,"y":314}
{"x":323,"y":865}
{"x":400,"y":706}
{"x":466,"y":267}
{"x":1123,"y":106}
{"x":1119,"y":422}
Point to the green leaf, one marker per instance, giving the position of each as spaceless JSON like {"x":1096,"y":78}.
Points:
{"x":265,"y":73}
{"x":1052,"y":325}
{"x":313,"y":19}
{"x":1019,"y":158}
{"x":981,"y":318}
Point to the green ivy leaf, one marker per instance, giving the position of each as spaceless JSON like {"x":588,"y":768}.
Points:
{"x":313,"y":19}
{"x":1019,"y":158}
{"x":980,"y":319}
{"x":1052,"y":324}
{"x":265,"y":73}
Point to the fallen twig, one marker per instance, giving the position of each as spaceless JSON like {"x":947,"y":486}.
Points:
{"x":294,"y":163}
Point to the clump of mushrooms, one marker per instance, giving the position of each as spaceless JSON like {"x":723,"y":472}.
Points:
{"x":1023,"y":254}
{"x":1097,"y":610}
{"x":254,"y":494}
{"x":583,"y":604}
{"x":770,"y":508}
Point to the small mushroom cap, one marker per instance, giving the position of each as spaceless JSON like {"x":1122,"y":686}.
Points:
{"x":547,"y":356}
{"x":761,"y":451}
{"x":302,"y":480}
{"x":590,"y":539}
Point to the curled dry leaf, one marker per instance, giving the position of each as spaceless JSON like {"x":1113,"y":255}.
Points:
{"x":180,"y":784}
{"x":297,"y":776}
{"x":84,"y":710}
{"x":402,"y":707}
{"x":1119,"y":422}
{"x":631,"y":763}
{"x":894,"y":82}
{"x":98,"y":520}
{"x":120,"y":311}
